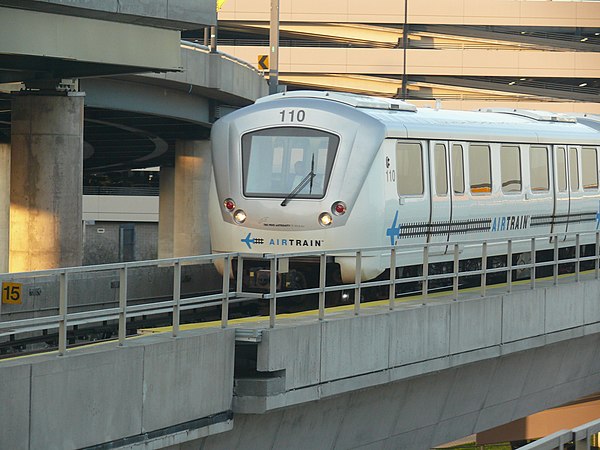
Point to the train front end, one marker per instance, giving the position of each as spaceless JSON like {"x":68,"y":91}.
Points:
{"x":287,"y":177}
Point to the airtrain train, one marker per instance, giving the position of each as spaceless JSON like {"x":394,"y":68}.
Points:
{"x":309,"y":170}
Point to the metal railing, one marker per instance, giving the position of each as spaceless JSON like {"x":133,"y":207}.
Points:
{"x":477,"y":261}
{"x":580,"y":437}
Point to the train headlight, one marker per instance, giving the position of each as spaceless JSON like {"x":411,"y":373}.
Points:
{"x":239,"y":216}
{"x":229,"y":204}
{"x":338,"y":208}
{"x":325,"y":219}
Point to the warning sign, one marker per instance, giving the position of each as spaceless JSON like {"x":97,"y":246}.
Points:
{"x":263,"y":62}
{"x":11,"y":293}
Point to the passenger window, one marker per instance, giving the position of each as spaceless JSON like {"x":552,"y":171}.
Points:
{"x":573,"y":169}
{"x":458,"y":169}
{"x":480,"y":173}
{"x":510,"y":168}
{"x":441,"y":177}
{"x":561,"y":169}
{"x":409,"y":167}
{"x":589,"y":167}
{"x":538,"y":167}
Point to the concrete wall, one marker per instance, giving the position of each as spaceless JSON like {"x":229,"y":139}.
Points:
{"x":102,"y":242}
{"x":419,"y":413}
{"x":108,"y":393}
{"x":225,"y":76}
{"x":120,"y":208}
{"x":347,"y":352}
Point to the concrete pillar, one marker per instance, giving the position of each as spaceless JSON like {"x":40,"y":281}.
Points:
{"x":193,"y":168}
{"x":4,"y":204}
{"x":166,"y":212}
{"x":46,"y":182}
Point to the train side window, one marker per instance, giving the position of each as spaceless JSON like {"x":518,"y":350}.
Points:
{"x":439,"y":162}
{"x":561,"y":169}
{"x":409,"y":167}
{"x":510,"y":168}
{"x":458,"y":169}
{"x":538,"y":169}
{"x":573,"y":169}
{"x":589,"y":167}
{"x":480,"y":173}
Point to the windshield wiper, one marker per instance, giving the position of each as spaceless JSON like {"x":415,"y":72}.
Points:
{"x":307,"y":179}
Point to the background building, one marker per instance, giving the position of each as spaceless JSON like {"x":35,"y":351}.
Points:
{"x":466,"y":53}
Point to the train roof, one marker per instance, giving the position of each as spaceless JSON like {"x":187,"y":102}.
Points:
{"x":402,"y":119}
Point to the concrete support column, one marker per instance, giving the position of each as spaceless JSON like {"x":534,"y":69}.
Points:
{"x":193,"y":168}
{"x":166,"y":212}
{"x":4,"y":205}
{"x":46,"y":182}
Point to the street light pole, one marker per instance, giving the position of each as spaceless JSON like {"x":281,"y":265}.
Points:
{"x":274,"y":48}
{"x":404,"y":45}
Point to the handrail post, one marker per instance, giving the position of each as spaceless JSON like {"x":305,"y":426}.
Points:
{"x":225,"y":304}
{"x":456,"y":272}
{"x":322,"y":282}
{"x":577,"y":258}
{"x":176,"y":296}
{"x":597,"y":253}
{"x":357,"y":280}
{"x":123,"y":272}
{"x":273,"y":291}
{"x":555,"y":266}
{"x":425,"y":274}
{"x":392,"y":278}
{"x":533,"y":263}
{"x":62,"y":312}
{"x":483,"y":268}
{"x":240,"y":274}
{"x":509,"y":266}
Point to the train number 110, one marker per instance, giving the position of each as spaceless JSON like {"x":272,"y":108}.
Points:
{"x":292,"y":115}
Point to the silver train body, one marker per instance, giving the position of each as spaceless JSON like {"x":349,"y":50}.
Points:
{"x":318,"y":171}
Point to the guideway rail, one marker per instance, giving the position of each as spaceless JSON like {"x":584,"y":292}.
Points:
{"x":230,"y":293}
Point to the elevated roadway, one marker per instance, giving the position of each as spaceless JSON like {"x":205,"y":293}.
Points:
{"x":407,"y":374}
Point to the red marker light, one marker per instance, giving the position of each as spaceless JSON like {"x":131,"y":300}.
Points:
{"x":229,"y":204}
{"x":338,"y":208}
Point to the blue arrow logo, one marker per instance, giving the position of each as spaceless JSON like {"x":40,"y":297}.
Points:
{"x":248,"y":240}
{"x":394,"y":231}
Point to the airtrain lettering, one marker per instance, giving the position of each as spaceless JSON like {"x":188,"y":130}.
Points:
{"x":297,"y":242}
{"x":509,"y":223}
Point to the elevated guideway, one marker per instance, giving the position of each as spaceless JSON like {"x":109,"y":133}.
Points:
{"x":410,"y":373}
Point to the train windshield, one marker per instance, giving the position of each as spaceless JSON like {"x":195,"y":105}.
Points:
{"x":276,"y":160}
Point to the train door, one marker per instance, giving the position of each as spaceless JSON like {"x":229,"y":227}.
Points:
{"x":577,"y":204}
{"x":441,"y":198}
{"x":562,"y":199}
{"x":410,"y":220}
{"x":461,"y":206}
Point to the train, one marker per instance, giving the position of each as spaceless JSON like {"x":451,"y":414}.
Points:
{"x":321,"y":171}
